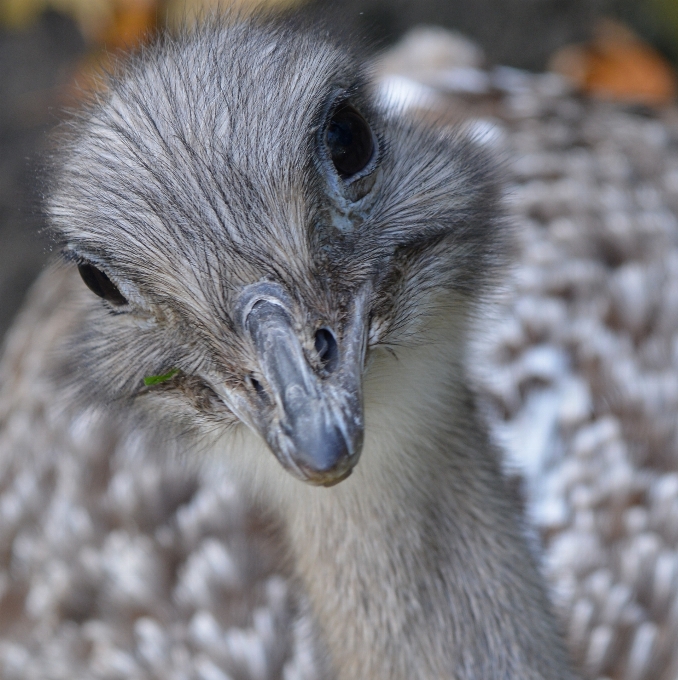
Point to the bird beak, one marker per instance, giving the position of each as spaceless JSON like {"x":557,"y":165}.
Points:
{"x":312,"y":420}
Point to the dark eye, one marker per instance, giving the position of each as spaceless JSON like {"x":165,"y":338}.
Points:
{"x":349,"y":140}
{"x":100,"y":284}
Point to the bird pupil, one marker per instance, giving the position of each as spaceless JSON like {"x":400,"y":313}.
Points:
{"x":100,"y":284}
{"x":349,"y":140}
{"x":339,"y":136}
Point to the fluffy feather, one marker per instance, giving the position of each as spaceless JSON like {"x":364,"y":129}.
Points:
{"x":202,"y":171}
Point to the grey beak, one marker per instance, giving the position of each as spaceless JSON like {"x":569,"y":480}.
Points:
{"x":313,"y":423}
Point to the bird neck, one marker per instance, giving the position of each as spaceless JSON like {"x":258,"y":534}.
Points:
{"x":416,"y":566}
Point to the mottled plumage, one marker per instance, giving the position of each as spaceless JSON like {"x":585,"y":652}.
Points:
{"x":324,"y":315}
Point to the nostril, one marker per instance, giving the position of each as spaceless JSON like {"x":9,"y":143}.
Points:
{"x":327,"y":348}
{"x":258,"y":387}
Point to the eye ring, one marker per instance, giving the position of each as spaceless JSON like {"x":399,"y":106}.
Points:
{"x":99,"y":283}
{"x":350,"y":142}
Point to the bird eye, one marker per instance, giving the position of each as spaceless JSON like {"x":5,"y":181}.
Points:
{"x":349,"y":140}
{"x":100,"y":284}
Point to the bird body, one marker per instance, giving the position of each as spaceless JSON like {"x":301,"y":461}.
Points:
{"x":288,"y":275}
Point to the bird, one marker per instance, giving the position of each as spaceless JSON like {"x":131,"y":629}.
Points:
{"x":276,"y":271}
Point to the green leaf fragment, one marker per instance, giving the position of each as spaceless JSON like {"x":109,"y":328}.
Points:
{"x":157,"y":379}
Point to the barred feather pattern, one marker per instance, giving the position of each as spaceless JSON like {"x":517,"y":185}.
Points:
{"x":115,"y":563}
{"x":583,"y":380}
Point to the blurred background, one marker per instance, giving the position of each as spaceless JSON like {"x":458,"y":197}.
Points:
{"x":50,"y":49}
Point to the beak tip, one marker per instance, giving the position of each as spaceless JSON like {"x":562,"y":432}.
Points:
{"x":336,"y":480}
{"x":323,"y":461}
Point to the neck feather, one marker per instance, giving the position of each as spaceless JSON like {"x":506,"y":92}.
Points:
{"x":415,"y":566}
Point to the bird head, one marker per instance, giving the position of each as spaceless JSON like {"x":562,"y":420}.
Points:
{"x":250,"y":225}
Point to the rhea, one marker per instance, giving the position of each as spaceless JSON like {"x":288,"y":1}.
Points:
{"x":281,"y":268}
